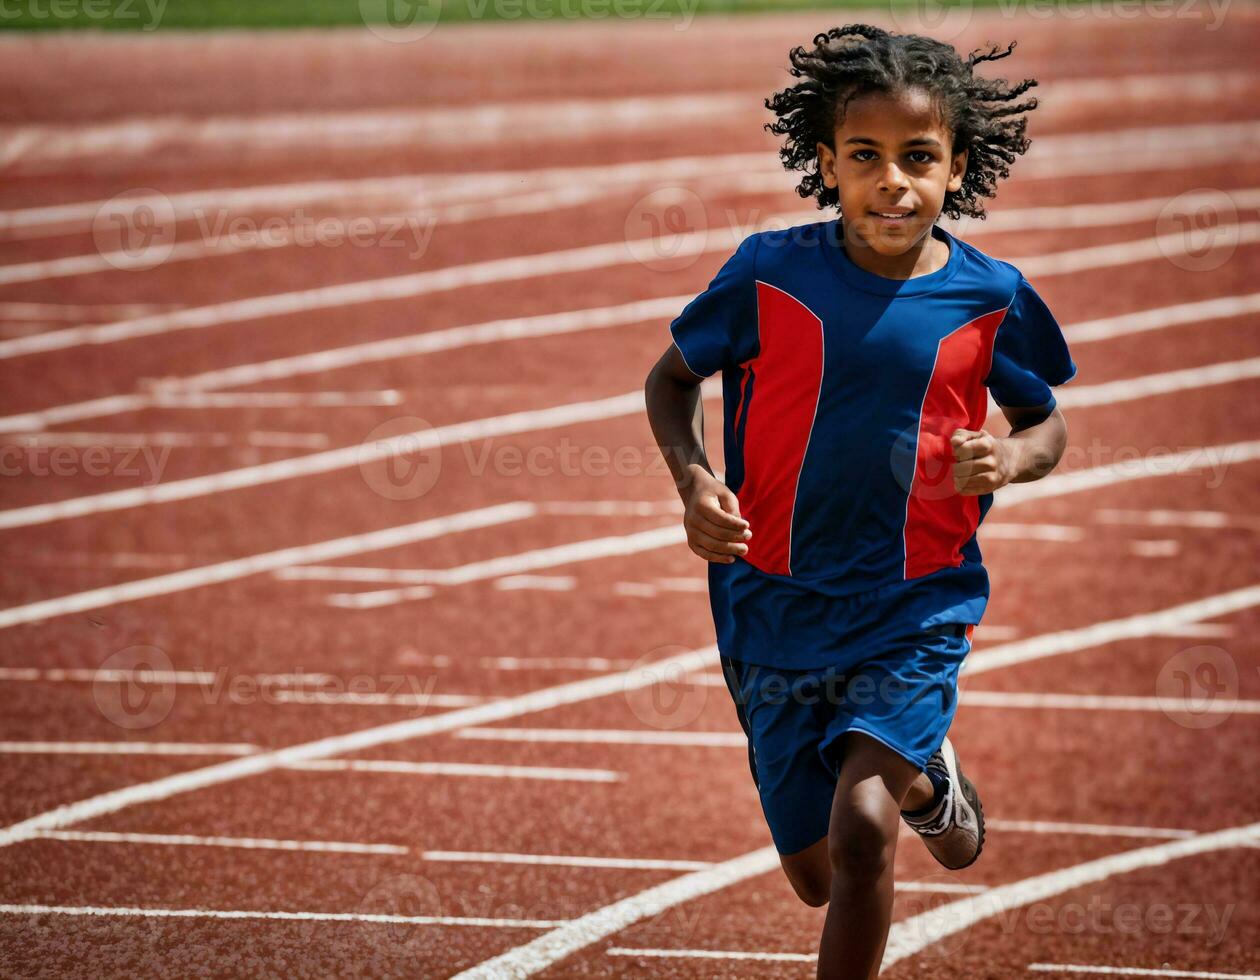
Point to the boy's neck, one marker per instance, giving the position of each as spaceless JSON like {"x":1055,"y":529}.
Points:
{"x":925,"y":256}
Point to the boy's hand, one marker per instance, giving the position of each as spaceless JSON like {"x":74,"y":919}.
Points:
{"x":715,"y":531}
{"x":982,"y":462}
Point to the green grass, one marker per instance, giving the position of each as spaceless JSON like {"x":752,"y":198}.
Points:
{"x":149,"y":15}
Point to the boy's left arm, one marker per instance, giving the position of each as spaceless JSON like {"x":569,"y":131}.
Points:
{"x":984,"y":462}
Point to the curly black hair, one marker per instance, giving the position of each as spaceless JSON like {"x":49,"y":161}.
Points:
{"x":984,"y":115}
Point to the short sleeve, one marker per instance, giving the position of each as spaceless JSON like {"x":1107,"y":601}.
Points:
{"x":718,"y":329}
{"x":1030,"y":355}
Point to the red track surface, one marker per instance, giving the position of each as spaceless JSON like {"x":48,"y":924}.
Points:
{"x":1139,"y":766}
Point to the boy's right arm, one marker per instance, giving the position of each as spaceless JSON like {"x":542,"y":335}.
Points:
{"x":715,"y":531}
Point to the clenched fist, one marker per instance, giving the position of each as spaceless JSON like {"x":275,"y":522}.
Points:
{"x":982,"y":461}
{"x":715,"y":531}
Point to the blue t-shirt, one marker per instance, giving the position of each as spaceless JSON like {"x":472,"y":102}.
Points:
{"x":841,"y":389}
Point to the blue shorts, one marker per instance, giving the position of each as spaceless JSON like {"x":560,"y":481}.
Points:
{"x":794,"y":720}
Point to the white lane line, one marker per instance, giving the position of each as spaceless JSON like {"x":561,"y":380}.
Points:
{"x":1200,"y":143}
{"x":911,"y":936}
{"x":587,"y":549}
{"x":1217,"y":458}
{"x":607,"y":736}
{"x":379,"y":599}
{"x":519,"y":328}
{"x":412,"y":657}
{"x":544,"y":583}
{"x":77,"y":312}
{"x":541,"y":264}
{"x":526,"y":960}
{"x":45,"y":144}
{"x":1031,"y":532}
{"x":245,"y":843}
{"x":269,"y":561}
{"x":1105,"y":702}
{"x":1128,"y":389}
{"x":140,"y":440}
{"x":253,"y":765}
{"x":567,"y":861}
{"x":1133,"y":971}
{"x":1164,"y":548}
{"x":375,"y":698}
{"x":329,"y":460}
{"x":1111,"y":631}
{"x":1176,"y":518}
{"x":273,"y":399}
{"x":418,"y":920}
{"x":713,"y":954}
{"x":404,"y":768}
{"x":127,"y":748}
{"x":907,"y":937}
{"x":1175,"y":463}
{"x":1086,"y":829}
{"x":1163,"y":317}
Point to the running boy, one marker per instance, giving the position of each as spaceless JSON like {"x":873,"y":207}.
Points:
{"x":844,"y":578}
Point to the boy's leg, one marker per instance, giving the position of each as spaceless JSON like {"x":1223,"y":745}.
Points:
{"x":862,"y":840}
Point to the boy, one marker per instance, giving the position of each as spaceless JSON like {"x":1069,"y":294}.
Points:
{"x":844,"y":578}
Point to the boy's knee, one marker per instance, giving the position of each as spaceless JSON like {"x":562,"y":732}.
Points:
{"x":809,"y":874}
{"x":862,"y":847}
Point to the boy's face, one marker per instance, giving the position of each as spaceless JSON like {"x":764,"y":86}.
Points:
{"x":892,"y":164}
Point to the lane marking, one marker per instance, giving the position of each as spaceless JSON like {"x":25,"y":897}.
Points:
{"x":1202,"y":142}
{"x":544,"y":583}
{"x":713,"y":954}
{"x":1087,"y":829}
{"x":1111,"y":631}
{"x":269,"y":561}
{"x":906,"y":938}
{"x":587,"y":549}
{"x":1176,"y":518}
{"x":127,"y":748}
{"x":1103,"y":702}
{"x":1133,"y":971}
{"x":167,"y":392}
{"x":607,"y":736}
{"x":530,"y":958}
{"x":253,"y":765}
{"x":245,"y":843}
{"x":1096,"y":477}
{"x":909,"y":937}
{"x":418,"y":920}
{"x":567,"y":860}
{"x":405,"y":768}
{"x":1129,"y":389}
{"x":199,"y":440}
{"x":1031,"y":532}
{"x":584,"y":258}
{"x":1165,"y":548}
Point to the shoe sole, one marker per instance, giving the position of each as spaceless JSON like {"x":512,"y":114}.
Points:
{"x":973,"y":800}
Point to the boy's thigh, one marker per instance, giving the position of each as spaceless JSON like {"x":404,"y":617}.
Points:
{"x":785,"y":725}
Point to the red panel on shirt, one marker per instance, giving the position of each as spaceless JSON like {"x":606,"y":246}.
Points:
{"x":939,"y":520}
{"x":779,"y":419}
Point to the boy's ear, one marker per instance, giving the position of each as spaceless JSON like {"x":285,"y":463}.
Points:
{"x":957,"y":170}
{"x":826,"y":164}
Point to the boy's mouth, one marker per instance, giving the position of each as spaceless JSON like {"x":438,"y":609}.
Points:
{"x":892,"y":214}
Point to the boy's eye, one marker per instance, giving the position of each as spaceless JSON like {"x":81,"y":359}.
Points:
{"x":919,"y":156}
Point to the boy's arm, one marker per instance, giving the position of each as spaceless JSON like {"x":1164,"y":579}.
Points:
{"x":983,"y":462}
{"x":715,"y":531}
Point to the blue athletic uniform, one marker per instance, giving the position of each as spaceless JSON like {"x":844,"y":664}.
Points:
{"x":841,"y":389}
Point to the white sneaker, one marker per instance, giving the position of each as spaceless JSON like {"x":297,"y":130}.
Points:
{"x":954,"y":831}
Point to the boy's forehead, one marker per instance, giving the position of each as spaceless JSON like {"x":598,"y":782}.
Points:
{"x":892,"y":116}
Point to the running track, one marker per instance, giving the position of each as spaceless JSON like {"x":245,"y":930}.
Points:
{"x":273,"y":708}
